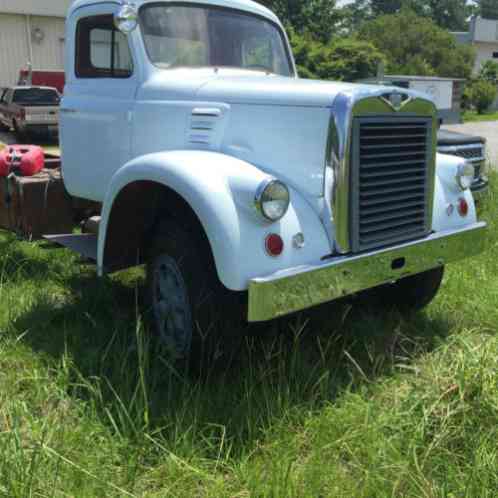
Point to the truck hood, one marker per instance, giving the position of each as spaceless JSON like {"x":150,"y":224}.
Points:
{"x":279,"y":124}
{"x":258,"y":89}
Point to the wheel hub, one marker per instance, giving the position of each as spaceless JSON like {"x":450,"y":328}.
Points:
{"x":171,"y":306}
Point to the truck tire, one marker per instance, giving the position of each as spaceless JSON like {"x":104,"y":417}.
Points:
{"x":187,"y":305}
{"x":20,"y":136}
{"x":411,"y":293}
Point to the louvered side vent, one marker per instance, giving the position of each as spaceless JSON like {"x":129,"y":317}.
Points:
{"x":203,"y":123}
{"x":390,"y":181}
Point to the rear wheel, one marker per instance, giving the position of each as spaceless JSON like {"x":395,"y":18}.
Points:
{"x":411,"y":293}
{"x":20,"y":135}
{"x":187,"y":303}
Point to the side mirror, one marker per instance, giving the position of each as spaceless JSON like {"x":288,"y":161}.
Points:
{"x":126,"y":19}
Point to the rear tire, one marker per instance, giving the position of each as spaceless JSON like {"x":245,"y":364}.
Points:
{"x":20,"y":135}
{"x":187,"y":303}
{"x":411,"y":293}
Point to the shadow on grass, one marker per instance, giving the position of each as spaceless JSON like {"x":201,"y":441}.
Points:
{"x":260,"y":374}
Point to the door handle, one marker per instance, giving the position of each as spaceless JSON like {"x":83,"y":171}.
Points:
{"x":66,"y":110}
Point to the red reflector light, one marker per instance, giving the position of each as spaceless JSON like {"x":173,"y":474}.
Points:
{"x":274,"y":245}
{"x":463,"y":207}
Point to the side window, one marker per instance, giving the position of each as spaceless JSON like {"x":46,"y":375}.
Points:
{"x":257,"y":53}
{"x":101,"y":50}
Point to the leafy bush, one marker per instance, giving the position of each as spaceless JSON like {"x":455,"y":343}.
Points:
{"x":489,"y":71}
{"x":416,"y":45}
{"x":345,"y":59}
{"x":482,"y":94}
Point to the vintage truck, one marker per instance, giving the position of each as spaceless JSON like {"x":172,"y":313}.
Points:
{"x":241,"y":186}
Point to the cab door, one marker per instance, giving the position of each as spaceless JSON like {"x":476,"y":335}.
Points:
{"x":97,"y":108}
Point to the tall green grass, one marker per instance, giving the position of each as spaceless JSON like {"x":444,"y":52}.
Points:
{"x":341,"y":402}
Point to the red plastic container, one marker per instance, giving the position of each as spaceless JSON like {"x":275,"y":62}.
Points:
{"x":26,"y":160}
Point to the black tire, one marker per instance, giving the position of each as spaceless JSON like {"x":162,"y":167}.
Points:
{"x":20,"y":136}
{"x":411,"y":293}
{"x":189,"y":325}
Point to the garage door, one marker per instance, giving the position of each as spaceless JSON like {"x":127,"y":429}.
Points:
{"x":14,"y":52}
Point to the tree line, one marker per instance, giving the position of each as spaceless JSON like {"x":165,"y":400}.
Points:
{"x":407,"y":36}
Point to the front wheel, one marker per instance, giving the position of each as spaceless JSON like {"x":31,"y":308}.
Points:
{"x":187,"y":303}
{"x":411,"y":293}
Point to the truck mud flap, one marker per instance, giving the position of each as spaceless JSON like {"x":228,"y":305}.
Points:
{"x":83,"y":244}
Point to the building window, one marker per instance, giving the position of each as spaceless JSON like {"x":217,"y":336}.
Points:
{"x":495,"y":55}
{"x":101,"y":50}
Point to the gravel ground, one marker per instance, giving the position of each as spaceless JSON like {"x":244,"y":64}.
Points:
{"x":486,"y":129}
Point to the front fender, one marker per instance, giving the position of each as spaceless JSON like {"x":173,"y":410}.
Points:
{"x":447,"y":195}
{"x":220,"y":189}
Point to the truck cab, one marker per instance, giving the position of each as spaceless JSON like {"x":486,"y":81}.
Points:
{"x":227,"y":174}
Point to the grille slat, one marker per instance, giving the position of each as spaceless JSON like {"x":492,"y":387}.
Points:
{"x":393,"y":172}
{"x":368,"y":220}
{"x":390,"y":146}
{"x":391,"y":158}
{"x":388,"y":207}
{"x":379,"y":182}
{"x":394,"y":163}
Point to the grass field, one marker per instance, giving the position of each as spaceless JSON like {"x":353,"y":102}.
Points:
{"x":472,"y":116}
{"x":363,"y":406}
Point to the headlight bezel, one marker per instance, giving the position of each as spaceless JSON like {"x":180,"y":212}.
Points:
{"x":263,"y":196}
{"x":465,"y":176}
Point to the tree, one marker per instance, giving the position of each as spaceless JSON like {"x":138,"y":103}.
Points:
{"x":489,"y":71}
{"x":449,"y":14}
{"x":416,"y":45}
{"x":482,"y":94}
{"x":345,"y":59}
{"x":318,"y":17}
{"x":488,"y":8}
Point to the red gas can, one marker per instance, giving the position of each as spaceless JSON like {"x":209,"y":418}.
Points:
{"x":26,"y":160}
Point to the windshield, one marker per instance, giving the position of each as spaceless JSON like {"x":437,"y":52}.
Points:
{"x":36,"y":96}
{"x":193,"y":36}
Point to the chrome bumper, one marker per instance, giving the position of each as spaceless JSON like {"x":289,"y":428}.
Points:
{"x":300,"y":288}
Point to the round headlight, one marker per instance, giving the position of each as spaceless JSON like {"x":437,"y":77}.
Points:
{"x":465,"y":175}
{"x":272,"y":200}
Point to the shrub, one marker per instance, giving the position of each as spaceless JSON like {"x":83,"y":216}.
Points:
{"x":482,"y":94}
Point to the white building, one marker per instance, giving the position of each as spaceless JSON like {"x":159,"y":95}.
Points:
{"x":483,"y":36}
{"x":31,"y":31}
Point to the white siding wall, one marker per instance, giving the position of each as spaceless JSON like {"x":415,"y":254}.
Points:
{"x":49,"y":54}
{"x":484,"y":52}
{"x":485,"y":30}
{"x":14,"y":47}
{"x":440,"y":91}
{"x":14,"y":52}
{"x":36,"y":7}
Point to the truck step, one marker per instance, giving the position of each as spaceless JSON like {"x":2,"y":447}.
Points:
{"x":84,"y":244}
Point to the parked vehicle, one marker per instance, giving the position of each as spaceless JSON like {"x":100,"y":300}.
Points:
{"x":239,"y":184}
{"x":470,"y":147}
{"x":42,"y":77}
{"x":30,"y":109}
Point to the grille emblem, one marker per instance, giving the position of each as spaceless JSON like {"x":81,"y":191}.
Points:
{"x":396,"y":100}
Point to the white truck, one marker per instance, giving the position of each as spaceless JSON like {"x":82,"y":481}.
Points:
{"x":235,"y":181}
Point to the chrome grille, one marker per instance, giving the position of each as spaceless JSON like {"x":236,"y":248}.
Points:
{"x":390,"y":181}
{"x":473,"y":153}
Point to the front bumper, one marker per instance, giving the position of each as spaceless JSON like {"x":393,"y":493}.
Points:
{"x":300,"y":288}
{"x":480,"y":188}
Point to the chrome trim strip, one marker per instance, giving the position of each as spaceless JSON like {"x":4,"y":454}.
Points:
{"x":345,"y":109}
{"x":300,"y":288}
